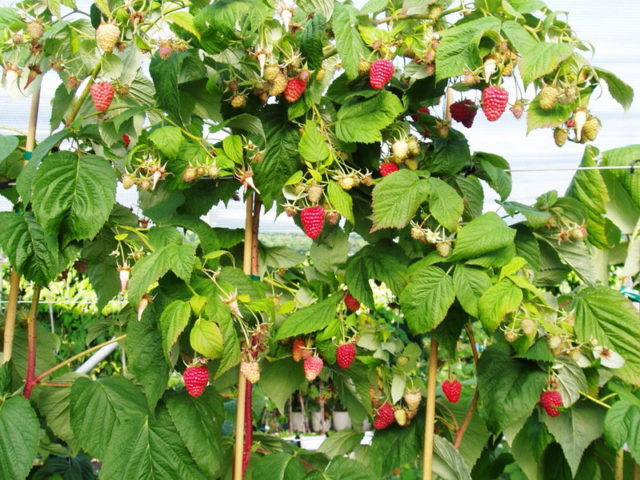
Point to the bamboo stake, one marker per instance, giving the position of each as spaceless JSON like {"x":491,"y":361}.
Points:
{"x":14,"y":286}
{"x":619,"y":469}
{"x":242,"y":381}
{"x":31,"y":336}
{"x":429,"y":425}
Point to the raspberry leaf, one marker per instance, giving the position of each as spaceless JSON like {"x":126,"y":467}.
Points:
{"x":311,"y":318}
{"x":206,"y":339}
{"x":470,"y":283}
{"x":280,"y":379}
{"x":427,"y":298}
{"x":313,"y":145}
{"x":348,"y":40}
{"x":619,"y":90}
{"x":362,"y":120}
{"x":168,"y":140}
{"x":445,"y":204}
{"x":621,"y":426}
{"x":20,"y":437}
{"x":499,"y":300}
{"x":74,"y":195}
{"x":341,"y":200}
{"x":482,"y":235}
{"x":396,"y":199}
{"x":542,"y":59}
{"x":174,"y":319}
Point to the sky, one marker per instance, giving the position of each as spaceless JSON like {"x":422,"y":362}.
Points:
{"x":613,"y":32}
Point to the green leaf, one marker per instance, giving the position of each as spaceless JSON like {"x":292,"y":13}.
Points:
{"x":145,"y":355}
{"x":469,"y":284}
{"x":19,"y":438}
{"x":280,"y":157}
{"x":180,"y":259}
{"x":622,"y":427}
{"x":97,"y":408}
{"x":384,"y":262}
{"x":608,"y":317}
{"x":309,"y":319}
{"x":427,"y":298}
{"x":624,"y":157}
{"x":445,"y":204}
{"x":396,"y":199}
{"x":348,"y":41}
{"x":32,"y":252}
{"x":393,"y":448}
{"x":499,"y":300}
{"x":279,"y":466}
{"x":519,"y":36}
{"x":476,"y":436}
{"x":149,"y":449}
{"x":165,"y":75}
{"x":363,"y":120}
{"x":167,"y":139}
{"x":280,"y":379}
{"x":312,"y":40}
{"x":185,"y":21}
{"x":199,"y":423}
{"x":509,"y":388}
{"x":74,"y":194}
{"x":494,"y":172}
{"x":55,"y":405}
{"x":340,"y":200}
{"x":589,"y":188}
{"x":575,"y":429}
{"x":458,"y":49}
{"x":313,"y":144}
{"x":341,"y":443}
{"x":7,"y":145}
{"x":542,"y":59}
{"x":231,"y":345}
{"x":206,"y":339}
{"x":341,"y":468}
{"x":482,"y":235}
{"x":448,"y":463}
{"x":472,"y":195}
{"x":330,"y":255}
{"x":173,"y":321}
{"x":619,"y":90}
{"x":450,"y":155}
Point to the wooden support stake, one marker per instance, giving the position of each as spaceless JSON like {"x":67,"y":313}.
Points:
{"x":429,"y":425}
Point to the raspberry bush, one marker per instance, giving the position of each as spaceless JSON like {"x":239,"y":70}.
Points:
{"x":330,"y":114}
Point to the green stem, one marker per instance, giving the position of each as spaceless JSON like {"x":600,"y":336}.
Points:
{"x":142,"y":237}
{"x":594,"y":400}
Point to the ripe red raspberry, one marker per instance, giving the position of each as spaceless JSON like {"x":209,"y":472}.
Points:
{"x":421,"y":111}
{"x":384,"y":417}
{"x":297,"y":349}
{"x":494,"y":102}
{"x":550,"y":400}
{"x":388,"y":168}
{"x":345,"y":354}
{"x":380,"y":73}
{"x":312,"y":219}
{"x":126,"y":140}
{"x":195,"y":380}
{"x":464,"y":112}
{"x":452,"y":390}
{"x":351,"y":303}
{"x":312,"y":367}
{"x":294,"y":90}
{"x":102,"y":94}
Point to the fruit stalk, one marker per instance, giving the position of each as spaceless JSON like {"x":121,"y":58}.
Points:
{"x":474,"y":401}
{"x":31,"y":338}
{"x":429,"y":426}
{"x":242,"y":381}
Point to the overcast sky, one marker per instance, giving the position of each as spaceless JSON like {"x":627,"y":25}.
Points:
{"x":613,"y":31}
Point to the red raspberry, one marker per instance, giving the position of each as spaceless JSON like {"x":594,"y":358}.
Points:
{"x":297,"y":349}
{"x":452,"y":390}
{"x":195,"y":380}
{"x":312,"y":219}
{"x":384,"y":417}
{"x":351,"y":303}
{"x":380,"y":73}
{"x":126,"y":140}
{"x":464,"y":112}
{"x":312,"y":367}
{"x":388,"y":168}
{"x":294,"y":89}
{"x":102,"y":94}
{"x":345,"y":354}
{"x":494,"y":102}
{"x":421,"y":111}
{"x":550,"y":400}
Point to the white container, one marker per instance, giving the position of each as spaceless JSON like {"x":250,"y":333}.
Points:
{"x":319,"y":424}
{"x":341,"y":420}
{"x":296,"y":422}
